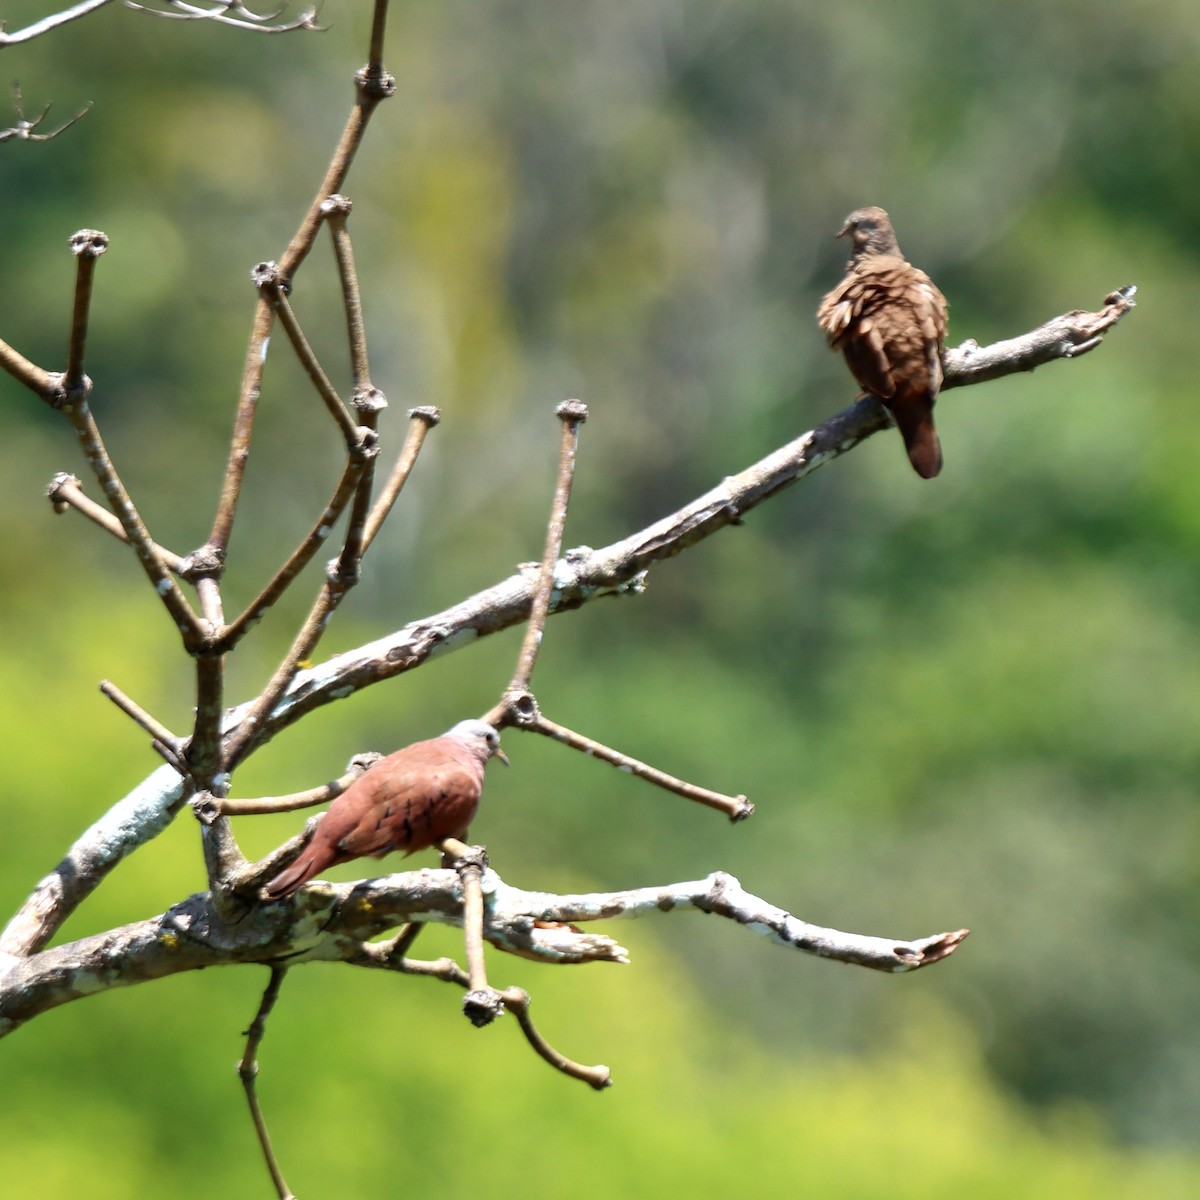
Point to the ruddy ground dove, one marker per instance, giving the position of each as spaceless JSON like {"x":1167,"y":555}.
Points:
{"x":410,"y":800}
{"x":889,"y":320}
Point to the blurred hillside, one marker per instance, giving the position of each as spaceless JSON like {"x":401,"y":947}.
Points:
{"x":972,"y":702}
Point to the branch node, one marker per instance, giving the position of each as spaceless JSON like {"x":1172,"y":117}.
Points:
{"x":341,"y":572}
{"x":572,"y":410}
{"x":745,"y":809}
{"x":206,"y":808}
{"x":369,"y":400}
{"x":482,"y":1006}
{"x":61,"y":396}
{"x":267,"y":277}
{"x":364,"y":445}
{"x":374,"y":83}
{"x":336,"y":206}
{"x":88,"y":243}
{"x":429,"y":413}
{"x":520,"y":708}
{"x":61,"y":480}
{"x":466,"y":858}
{"x":206,"y":562}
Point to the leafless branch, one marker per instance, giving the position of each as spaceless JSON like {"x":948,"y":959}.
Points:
{"x":572,"y":414}
{"x":229,"y":12}
{"x":422,"y":420}
{"x":332,"y":922}
{"x":297,"y":800}
{"x":248,"y":1073}
{"x":51,"y":22}
{"x":65,"y":491}
{"x":581,"y":576}
{"x":140,"y":716}
{"x":482,"y":1003}
{"x":585,"y":574}
{"x":521,"y":709}
{"x":1066,"y":336}
{"x":23,"y":130}
{"x":390,"y":956}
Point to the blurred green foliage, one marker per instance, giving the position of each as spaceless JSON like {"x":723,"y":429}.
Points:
{"x":972,"y":702}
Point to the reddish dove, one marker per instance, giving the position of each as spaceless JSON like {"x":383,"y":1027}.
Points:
{"x":889,"y":320}
{"x":410,"y":800}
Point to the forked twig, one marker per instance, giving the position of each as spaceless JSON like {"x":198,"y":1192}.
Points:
{"x":23,"y":130}
{"x":390,"y":956}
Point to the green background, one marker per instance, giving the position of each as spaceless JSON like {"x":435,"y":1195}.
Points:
{"x":972,"y":702}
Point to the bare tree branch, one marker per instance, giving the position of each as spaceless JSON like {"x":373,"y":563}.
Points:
{"x":23,"y":130}
{"x":222,"y":12}
{"x":332,"y":922}
{"x":307,"y":799}
{"x":584,"y":574}
{"x":53,"y":21}
{"x":581,"y":575}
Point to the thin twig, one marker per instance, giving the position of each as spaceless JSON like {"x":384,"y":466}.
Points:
{"x":297,"y":800}
{"x":253,"y":727}
{"x":369,"y":401}
{"x":482,"y":1002}
{"x":43,"y":383}
{"x":336,"y":211}
{"x":79,"y":413}
{"x":516,"y":1000}
{"x":276,"y":292}
{"x":572,"y":414}
{"x":87,"y":245}
{"x":422,"y":420}
{"x":23,"y":130}
{"x":399,"y":946}
{"x":204,"y":748}
{"x":375,"y":71}
{"x":248,"y":1073}
{"x":66,"y":491}
{"x":521,"y":709}
{"x":299,"y":559}
{"x":140,"y":716}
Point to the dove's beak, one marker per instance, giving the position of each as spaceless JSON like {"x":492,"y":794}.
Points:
{"x":498,"y":753}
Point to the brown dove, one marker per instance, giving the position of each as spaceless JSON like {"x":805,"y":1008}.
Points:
{"x":889,"y":320}
{"x":410,"y":800}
